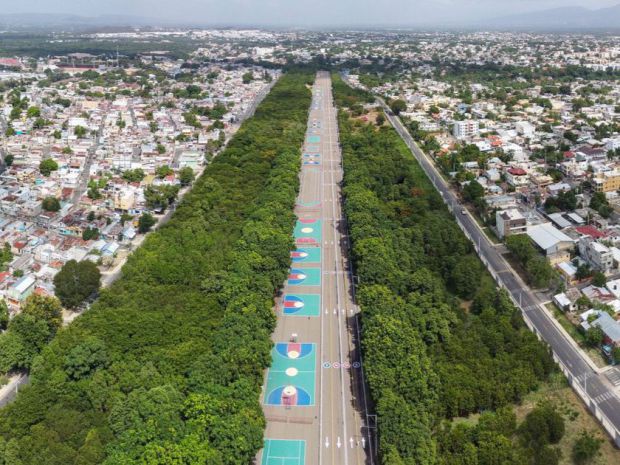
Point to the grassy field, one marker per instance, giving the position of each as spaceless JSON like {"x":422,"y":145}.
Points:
{"x":577,"y":419}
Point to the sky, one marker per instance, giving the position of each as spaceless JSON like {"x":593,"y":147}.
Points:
{"x":299,"y":12}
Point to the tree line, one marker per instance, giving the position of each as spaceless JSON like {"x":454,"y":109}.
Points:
{"x":439,"y":340}
{"x":167,"y":366}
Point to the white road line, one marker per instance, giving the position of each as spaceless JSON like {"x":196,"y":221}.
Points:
{"x":338,"y":298}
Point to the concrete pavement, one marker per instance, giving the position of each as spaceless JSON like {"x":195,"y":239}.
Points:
{"x":331,"y":421}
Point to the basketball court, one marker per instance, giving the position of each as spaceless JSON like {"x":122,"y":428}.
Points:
{"x":301,"y":305}
{"x":310,"y":255}
{"x":304,"y":277}
{"x":292,"y":377}
{"x":308,"y":232}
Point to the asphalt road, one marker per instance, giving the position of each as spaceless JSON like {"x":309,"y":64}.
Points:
{"x":601,"y":396}
{"x":334,"y":427}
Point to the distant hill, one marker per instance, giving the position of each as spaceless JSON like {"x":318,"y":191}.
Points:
{"x":66,"y":21}
{"x":564,"y":18}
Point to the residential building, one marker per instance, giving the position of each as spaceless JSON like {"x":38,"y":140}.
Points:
{"x":598,"y":256}
{"x":20,"y":291}
{"x":607,"y":182}
{"x":509,"y":222}
{"x":465,"y":129}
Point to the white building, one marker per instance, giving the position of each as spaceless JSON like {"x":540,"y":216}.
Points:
{"x":510,"y":222}
{"x":596,"y":254}
{"x":465,"y":129}
{"x":525,"y":128}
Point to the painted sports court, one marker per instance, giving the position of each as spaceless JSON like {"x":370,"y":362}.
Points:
{"x":311,"y":255}
{"x":301,"y":305}
{"x":304,"y":277}
{"x":284,"y":452}
{"x":291,"y":379}
{"x":308,"y":232}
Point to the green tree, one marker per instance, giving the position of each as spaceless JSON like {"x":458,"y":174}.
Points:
{"x":85,"y":358}
{"x":33,"y":112}
{"x":90,"y":234}
{"x":398,"y":106}
{"x":598,"y":279}
{"x":186,"y":175}
{"x":163,"y":171}
{"x":247,"y":77}
{"x":135,"y":175}
{"x":145,"y":223}
{"x":466,"y":276}
{"x":79,"y":131}
{"x":50,"y":204}
{"x":47,"y":166}
{"x":44,"y":308}
{"x":6,"y":256}
{"x":8,"y":159}
{"x":586,"y":448}
{"x":473,"y":191}
{"x":543,"y":425}
{"x":76,"y":281}
{"x":4,"y":315}
{"x":160,"y":197}
{"x":594,"y":336}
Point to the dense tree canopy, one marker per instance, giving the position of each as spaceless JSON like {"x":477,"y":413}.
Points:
{"x":426,"y":358}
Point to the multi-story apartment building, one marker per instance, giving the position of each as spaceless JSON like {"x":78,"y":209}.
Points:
{"x":596,"y":254}
{"x":509,"y":222}
{"x":607,"y":181}
{"x":465,"y":129}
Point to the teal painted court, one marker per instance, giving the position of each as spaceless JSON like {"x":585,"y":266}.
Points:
{"x":307,"y":255}
{"x":294,"y":365}
{"x":308,"y":231}
{"x":284,"y":452}
{"x":304,"y":277}
{"x":301,"y":305}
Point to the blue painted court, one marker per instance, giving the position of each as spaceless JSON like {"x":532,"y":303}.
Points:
{"x":311,"y":155}
{"x":301,"y":305}
{"x":284,"y":452}
{"x":314,"y":139}
{"x":291,"y":379}
{"x":304,"y":277}
{"x":307,"y":255}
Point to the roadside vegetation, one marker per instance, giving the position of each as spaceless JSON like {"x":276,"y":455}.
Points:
{"x":167,"y":366}
{"x":440,"y":342}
